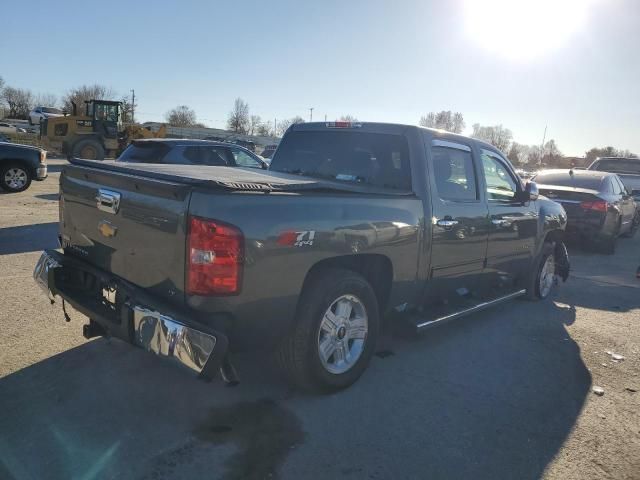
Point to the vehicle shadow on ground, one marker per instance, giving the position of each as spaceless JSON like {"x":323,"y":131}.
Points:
{"x":49,"y":196}
{"x":28,"y":238}
{"x":603,"y":282}
{"x":492,"y":396}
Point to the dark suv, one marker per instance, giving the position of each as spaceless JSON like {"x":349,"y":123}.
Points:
{"x":190,"y":152}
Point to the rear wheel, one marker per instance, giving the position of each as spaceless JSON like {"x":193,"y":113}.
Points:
{"x":89,"y":149}
{"x":335,"y":332}
{"x":608,"y":245}
{"x":14,"y":177}
{"x":543,"y":279}
{"x":634,"y":227}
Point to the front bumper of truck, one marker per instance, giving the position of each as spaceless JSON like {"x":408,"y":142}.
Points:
{"x":117,"y":308}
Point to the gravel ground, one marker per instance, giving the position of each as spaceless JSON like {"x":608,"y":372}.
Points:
{"x":506,"y":393}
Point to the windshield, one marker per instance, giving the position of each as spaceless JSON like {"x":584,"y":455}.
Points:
{"x":619,"y":166}
{"x":346,"y":156}
{"x":51,"y":110}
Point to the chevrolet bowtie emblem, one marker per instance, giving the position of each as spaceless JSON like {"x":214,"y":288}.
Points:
{"x":106,"y":229}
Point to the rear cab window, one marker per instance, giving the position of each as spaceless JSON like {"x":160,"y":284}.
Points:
{"x":376,"y":159}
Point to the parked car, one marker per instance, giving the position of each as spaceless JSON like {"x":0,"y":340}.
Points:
{"x":39,"y":113}
{"x":351,"y":221}
{"x":190,"y":152}
{"x":597,"y":204}
{"x":8,"y":128}
{"x":628,"y":169}
{"x":268,"y":151}
{"x":19,"y":165}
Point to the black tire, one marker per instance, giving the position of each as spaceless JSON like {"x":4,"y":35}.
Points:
{"x":299,"y":355}
{"x":89,"y":149}
{"x":634,"y":227}
{"x":533,"y":287}
{"x":608,"y":245}
{"x":10,"y":186}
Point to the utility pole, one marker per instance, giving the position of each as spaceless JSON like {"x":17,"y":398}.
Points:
{"x":544,"y":137}
{"x":275,"y":128}
{"x":311,"y":114}
{"x":133,"y":104}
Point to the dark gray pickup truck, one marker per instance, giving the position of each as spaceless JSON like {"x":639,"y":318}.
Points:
{"x":352,"y":222}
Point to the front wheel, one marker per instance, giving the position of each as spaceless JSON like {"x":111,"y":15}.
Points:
{"x":335,"y":332}
{"x":14,"y":178}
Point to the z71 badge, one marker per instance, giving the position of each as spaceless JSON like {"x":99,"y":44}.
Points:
{"x":297,"y":239}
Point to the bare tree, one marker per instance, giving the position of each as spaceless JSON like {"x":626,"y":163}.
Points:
{"x":127,"y":110}
{"x":551,"y":155}
{"x":46,"y":100}
{"x":444,"y":120}
{"x":428,"y":120}
{"x":19,"y":101}
{"x":596,"y":152}
{"x":181,"y":116}
{"x":283,"y":125}
{"x":498,"y":136}
{"x":264,"y":129}
{"x":84,"y":93}
{"x":343,"y":118}
{"x":254,"y":122}
{"x":458,"y":123}
{"x":239,"y":119}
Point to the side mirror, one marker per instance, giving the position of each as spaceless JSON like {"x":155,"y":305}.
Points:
{"x":531,"y":191}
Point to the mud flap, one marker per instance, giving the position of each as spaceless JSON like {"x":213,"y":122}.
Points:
{"x":563,"y":265}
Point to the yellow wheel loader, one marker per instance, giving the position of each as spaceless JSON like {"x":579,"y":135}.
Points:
{"x":96,"y":135}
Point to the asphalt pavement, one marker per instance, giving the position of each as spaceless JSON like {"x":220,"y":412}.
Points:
{"x":503,"y":394}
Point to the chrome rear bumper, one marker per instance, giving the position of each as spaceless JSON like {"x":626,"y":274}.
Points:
{"x":165,"y":337}
{"x":168,"y":335}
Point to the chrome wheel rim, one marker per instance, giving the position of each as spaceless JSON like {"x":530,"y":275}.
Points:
{"x":342,"y":334}
{"x":15,"y":178}
{"x":547,"y":276}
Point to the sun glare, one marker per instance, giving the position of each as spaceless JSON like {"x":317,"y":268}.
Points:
{"x":524,"y":29}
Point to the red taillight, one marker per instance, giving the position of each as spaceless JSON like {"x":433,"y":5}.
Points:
{"x":597,"y":206}
{"x":214,"y":258}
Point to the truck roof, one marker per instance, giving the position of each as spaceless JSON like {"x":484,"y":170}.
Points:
{"x":386,"y":127}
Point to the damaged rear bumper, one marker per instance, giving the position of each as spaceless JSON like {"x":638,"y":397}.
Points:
{"x":134,"y":316}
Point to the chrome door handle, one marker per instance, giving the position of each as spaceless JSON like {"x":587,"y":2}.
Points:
{"x":447,"y":223}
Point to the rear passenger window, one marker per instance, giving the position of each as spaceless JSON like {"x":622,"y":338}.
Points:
{"x":500,"y":183}
{"x":206,"y":156}
{"x":454,"y":173}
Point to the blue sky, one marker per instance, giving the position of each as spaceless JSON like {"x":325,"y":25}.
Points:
{"x":375,"y":59}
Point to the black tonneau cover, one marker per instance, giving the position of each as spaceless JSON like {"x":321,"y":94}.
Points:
{"x":231,"y":178}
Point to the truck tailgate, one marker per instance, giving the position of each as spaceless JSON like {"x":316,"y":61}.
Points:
{"x":132,"y":226}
